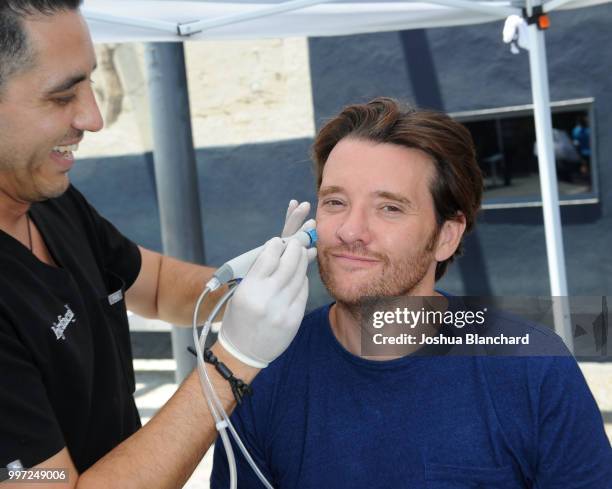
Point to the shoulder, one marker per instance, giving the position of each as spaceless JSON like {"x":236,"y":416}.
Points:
{"x":531,"y":364}
{"x":491,"y":330}
{"x":540,"y":377}
{"x":543,"y":341}
{"x":518,"y":370}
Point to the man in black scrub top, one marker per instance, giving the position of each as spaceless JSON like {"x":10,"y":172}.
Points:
{"x":66,"y":276}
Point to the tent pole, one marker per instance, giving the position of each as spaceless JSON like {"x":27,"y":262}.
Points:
{"x":175,"y":171}
{"x":548,"y":183}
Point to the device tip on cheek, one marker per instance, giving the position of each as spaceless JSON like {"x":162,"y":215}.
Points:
{"x":313,"y":236}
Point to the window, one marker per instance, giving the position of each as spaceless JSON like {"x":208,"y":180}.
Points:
{"x":506,"y":152}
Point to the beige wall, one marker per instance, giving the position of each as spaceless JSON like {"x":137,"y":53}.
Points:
{"x":240,"y":92}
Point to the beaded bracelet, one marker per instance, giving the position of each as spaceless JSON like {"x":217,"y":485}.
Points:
{"x":239,"y":388}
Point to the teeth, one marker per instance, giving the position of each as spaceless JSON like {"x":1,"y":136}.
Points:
{"x":66,"y":149}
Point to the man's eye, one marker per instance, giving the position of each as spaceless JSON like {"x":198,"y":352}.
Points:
{"x":332,"y":202}
{"x":64,"y":100}
{"x":391,"y":209}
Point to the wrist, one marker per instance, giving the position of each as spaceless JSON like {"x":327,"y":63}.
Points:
{"x":241,"y":370}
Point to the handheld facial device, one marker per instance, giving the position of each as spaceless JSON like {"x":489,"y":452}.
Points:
{"x":237,"y":268}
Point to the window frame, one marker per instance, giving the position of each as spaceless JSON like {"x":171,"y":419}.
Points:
{"x":570,"y":105}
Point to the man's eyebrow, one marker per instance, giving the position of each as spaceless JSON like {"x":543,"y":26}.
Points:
{"x":333,"y":189}
{"x":69,"y":83}
{"x":384,"y":194}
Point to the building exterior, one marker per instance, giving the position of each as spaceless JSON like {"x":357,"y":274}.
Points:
{"x":466,"y":71}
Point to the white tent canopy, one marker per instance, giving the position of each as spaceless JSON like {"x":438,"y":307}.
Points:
{"x":169,"y":20}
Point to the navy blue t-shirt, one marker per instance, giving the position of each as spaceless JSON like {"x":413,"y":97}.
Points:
{"x":321,"y":417}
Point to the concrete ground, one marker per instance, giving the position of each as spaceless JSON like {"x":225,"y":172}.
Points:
{"x":155,"y":385}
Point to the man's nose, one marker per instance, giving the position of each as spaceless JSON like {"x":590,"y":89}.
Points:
{"x":354,"y":227}
{"x":88,"y":116}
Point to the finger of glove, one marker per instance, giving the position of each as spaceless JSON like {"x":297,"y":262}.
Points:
{"x":288,"y":264}
{"x":289,"y":292}
{"x":311,"y":254}
{"x":290,"y":208}
{"x":295,"y":219}
{"x":310,"y":224}
{"x":268,"y":260}
{"x":297,"y":308}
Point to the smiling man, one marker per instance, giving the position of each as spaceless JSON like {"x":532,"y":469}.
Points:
{"x":66,"y":376}
{"x":398,"y":188}
{"x":40,"y":129}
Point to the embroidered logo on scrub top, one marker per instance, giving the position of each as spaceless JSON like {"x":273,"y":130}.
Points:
{"x":62,"y":323}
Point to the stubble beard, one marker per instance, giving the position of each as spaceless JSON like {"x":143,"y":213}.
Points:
{"x":26,"y":171}
{"x":28,"y":185}
{"x":399,"y":278}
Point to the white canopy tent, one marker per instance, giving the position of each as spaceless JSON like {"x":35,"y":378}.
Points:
{"x":169,"y":20}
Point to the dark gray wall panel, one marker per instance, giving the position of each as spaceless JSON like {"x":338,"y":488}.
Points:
{"x":244,"y":192}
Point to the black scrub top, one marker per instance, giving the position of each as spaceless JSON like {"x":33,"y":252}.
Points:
{"x":66,"y":375}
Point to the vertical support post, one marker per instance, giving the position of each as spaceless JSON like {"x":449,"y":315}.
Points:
{"x":548,"y":183}
{"x":175,"y":171}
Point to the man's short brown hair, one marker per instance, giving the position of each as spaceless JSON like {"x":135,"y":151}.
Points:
{"x":457,"y":186}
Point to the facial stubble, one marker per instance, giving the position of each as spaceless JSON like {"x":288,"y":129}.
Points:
{"x":397,"y":279}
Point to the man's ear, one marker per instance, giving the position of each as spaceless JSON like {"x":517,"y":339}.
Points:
{"x":450,"y":236}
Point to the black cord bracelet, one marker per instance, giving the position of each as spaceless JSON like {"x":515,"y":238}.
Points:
{"x":239,"y":388}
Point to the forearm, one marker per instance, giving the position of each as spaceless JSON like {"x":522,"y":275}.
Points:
{"x":180,"y":285}
{"x":167,"y":449}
